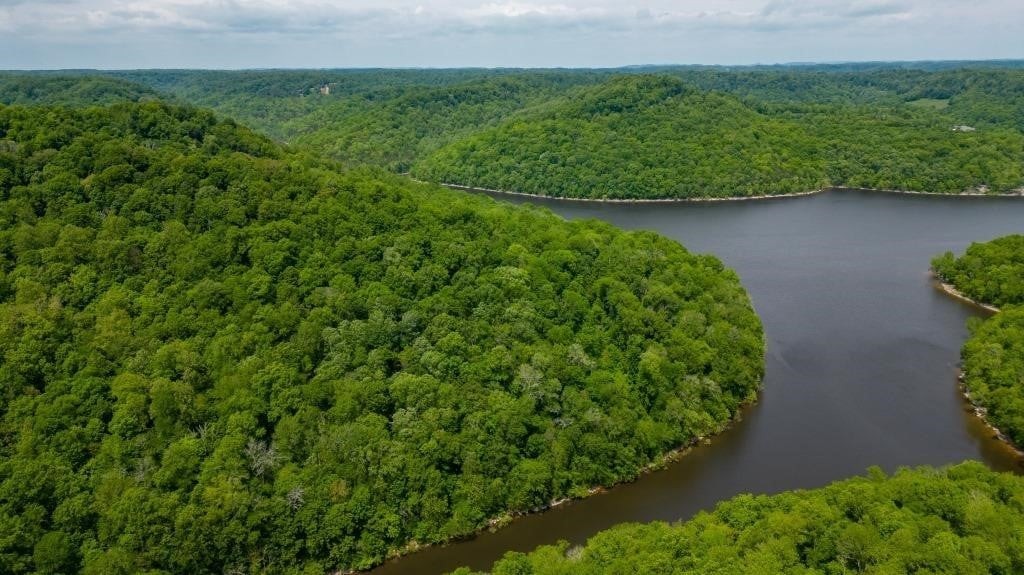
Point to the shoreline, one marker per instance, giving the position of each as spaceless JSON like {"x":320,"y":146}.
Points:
{"x":972,"y":193}
{"x":632,"y":200}
{"x":951,"y":291}
{"x":980,"y":411}
{"x":495,"y":523}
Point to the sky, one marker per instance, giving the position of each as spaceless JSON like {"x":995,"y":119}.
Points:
{"x":51,"y":34}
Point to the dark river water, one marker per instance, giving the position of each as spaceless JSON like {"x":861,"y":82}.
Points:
{"x":861,"y":364}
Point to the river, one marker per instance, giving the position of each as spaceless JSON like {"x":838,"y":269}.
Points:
{"x":861,"y":363}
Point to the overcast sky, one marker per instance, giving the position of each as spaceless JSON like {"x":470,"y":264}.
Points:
{"x":443,"y":33}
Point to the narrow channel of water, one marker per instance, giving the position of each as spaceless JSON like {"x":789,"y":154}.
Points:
{"x":861,"y":366}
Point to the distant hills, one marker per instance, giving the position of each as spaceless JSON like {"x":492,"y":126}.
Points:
{"x":630,"y":133}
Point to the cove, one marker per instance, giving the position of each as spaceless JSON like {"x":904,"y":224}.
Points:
{"x":861,"y":363}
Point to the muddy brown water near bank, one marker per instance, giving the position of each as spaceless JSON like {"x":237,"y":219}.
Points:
{"x":861,"y":366}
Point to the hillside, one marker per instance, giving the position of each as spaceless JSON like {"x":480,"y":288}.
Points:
{"x":388,"y":118}
{"x":635,"y":137}
{"x":959,"y":521}
{"x":993,"y":357}
{"x":681,"y":132}
{"x":54,"y":89}
{"x":654,"y":137}
{"x":221,"y":356}
{"x":398,"y":131}
{"x":988,"y":272}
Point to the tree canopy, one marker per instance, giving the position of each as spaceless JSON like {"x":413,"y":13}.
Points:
{"x":993,"y":358}
{"x":958,"y":521}
{"x":644,"y":137}
{"x":69,"y":90}
{"x":630,"y":133}
{"x":217,"y":355}
{"x":988,"y":272}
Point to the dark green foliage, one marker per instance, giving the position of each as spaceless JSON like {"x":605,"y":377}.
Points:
{"x":959,"y":521}
{"x":69,"y":90}
{"x":397,"y":131}
{"x":636,"y":137}
{"x":759,"y":131}
{"x":385,"y":117}
{"x":687,"y":132}
{"x":216,"y":355}
{"x":993,"y":358}
{"x":993,"y":368}
{"x":652,"y":137}
{"x":989,"y":272}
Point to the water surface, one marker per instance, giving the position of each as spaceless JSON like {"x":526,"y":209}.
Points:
{"x":861,"y":363}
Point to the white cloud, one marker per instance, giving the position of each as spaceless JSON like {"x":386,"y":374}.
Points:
{"x":656,"y":30}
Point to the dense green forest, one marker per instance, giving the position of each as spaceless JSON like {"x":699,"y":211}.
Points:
{"x":988,"y":272}
{"x":635,"y":137}
{"x":388,"y":118}
{"x":993,"y":370}
{"x":958,"y":521}
{"x":649,"y":137}
{"x":66,"y":90}
{"x":993,"y":358}
{"x":222,"y":356}
{"x":647,"y":132}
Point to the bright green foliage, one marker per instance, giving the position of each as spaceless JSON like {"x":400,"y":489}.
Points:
{"x":993,"y":368}
{"x":688,"y":132}
{"x":993,"y":358}
{"x":989,"y":272}
{"x":388,"y":118}
{"x":636,"y":137}
{"x":653,"y":137}
{"x":398,"y":131}
{"x":960,"y":521}
{"x":219,"y":356}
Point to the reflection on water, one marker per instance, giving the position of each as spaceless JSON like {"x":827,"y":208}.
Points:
{"x":861,"y":364}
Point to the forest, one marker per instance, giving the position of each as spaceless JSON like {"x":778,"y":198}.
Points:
{"x":227,"y":349}
{"x":643,"y":137}
{"x":962,"y":520}
{"x":629,"y":133}
{"x":988,"y":272}
{"x":993,"y":357}
{"x":218,"y":355}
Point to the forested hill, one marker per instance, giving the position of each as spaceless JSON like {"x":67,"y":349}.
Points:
{"x":651,"y":137}
{"x":69,"y":90}
{"x":388,"y":118}
{"x":965,"y":520}
{"x":989,"y":272}
{"x":219,"y":356}
{"x":682,"y":132}
{"x":636,"y":137}
{"x":398,"y":131}
{"x":993,"y":358}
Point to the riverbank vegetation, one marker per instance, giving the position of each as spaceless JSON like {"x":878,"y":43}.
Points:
{"x":993,"y":370}
{"x":222,"y":356}
{"x":988,"y":272}
{"x":961,"y":520}
{"x":993,"y":358}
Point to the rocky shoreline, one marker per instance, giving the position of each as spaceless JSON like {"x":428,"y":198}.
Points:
{"x":633,"y":201}
{"x":950,"y":289}
{"x":982,"y":414}
{"x":504,"y":519}
{"x":972,"y":193}
{"x":980,"y":411}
